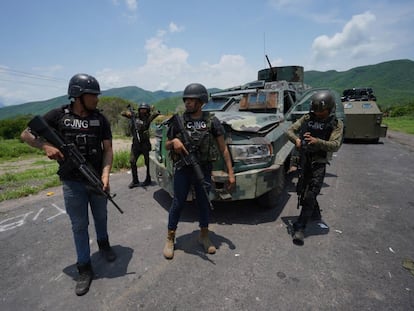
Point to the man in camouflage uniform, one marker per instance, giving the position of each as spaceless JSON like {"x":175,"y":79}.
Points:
{"x":316,"y":135}
{"x":141,"y":144}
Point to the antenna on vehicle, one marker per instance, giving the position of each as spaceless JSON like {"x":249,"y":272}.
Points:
{"x":272,"y":70}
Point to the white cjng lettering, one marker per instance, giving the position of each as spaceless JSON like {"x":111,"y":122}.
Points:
{"x":9,"y":223}
{"x":316,"y":125}
{"x":18,"y":221}
{"x":75,"y":123}
{"x":61,"y":211}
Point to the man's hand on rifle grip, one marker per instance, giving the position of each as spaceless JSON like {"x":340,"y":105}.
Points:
{"x":179,"y":147}
{"x":52,"y":152}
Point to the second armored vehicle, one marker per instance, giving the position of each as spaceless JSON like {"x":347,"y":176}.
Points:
{"x":364,"y":118}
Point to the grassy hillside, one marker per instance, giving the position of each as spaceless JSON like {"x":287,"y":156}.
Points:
{"x":129,"y":93}
{"x":392,"y":81}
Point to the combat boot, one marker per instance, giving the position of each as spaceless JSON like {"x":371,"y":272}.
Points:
{"x":169,"y":245}
{"x":135,"y":182}
{"x":204,"y":240}
{"x":85,"y":278}
{"x":106,"y":250}
{"x":299,"y":237}
{"x":147,"y":181}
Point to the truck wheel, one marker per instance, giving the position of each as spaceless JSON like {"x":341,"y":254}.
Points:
{"x":270,"y":199}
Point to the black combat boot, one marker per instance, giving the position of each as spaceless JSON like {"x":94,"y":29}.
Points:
{"x":299,"y":237}
{"x":316,"y":213}
{"x":147,"y":181}
{"x":299,"y":231}
{"x":106,"y":250}
{"x":85,"y":278}
{"x":135,"y":182}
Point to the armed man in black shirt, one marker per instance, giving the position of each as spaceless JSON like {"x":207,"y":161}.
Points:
{"x":80,"y":123}
{"x":195,"y":140}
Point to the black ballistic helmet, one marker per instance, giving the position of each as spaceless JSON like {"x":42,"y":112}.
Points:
{"x":144,"y":106}
{"x":82,"y":83}
{"x":322,"y":100}
{"x":196,"y":90}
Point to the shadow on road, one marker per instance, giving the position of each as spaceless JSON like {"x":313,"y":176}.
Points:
{"x":238,"y":212}
{"x":312,"y":228}
{"x":189,"y":244}
{"x":103,"y":269}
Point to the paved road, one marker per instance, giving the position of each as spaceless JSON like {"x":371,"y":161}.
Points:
{"x":356,"y":264}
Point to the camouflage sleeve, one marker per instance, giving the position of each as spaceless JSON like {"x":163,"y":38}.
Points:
{"x":294,"y":129}
{"x":126,"y":114}
{"x":153,"y":116}
{"x":335,"y":140}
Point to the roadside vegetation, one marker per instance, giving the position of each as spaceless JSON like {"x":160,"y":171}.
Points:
{"x":400,"y":118}
{"x":25,"y":170}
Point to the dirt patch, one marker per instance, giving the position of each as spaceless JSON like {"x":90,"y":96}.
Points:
{"x":121,"y":144}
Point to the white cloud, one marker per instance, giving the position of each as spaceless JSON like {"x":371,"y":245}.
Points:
{"x":358,"y":39}
{"x":132,"y":5}
{"x":167,"y":68}
{"x":174,"y":28}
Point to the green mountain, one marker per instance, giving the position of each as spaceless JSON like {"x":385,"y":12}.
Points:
{"x":131,"y":93}
{"x":392,"y":83}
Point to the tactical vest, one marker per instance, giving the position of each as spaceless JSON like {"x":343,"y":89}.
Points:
{"x":142,"y":126}
{"x":85,"y":133}
{"x":202,"y":139}
{"x":318,"y":128}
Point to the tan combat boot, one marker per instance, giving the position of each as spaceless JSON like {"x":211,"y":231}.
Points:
{"x":169,"y":245}
{"x":205,"y":241}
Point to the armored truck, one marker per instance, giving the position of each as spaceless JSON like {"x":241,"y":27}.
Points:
{"x":253,"y":116}
{"x":364,"y":118}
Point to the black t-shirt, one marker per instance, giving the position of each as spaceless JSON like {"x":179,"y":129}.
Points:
{"x":87,"y":133}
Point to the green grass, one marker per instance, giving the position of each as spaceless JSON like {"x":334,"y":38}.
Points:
{"x":10,"y":149}
{"x":42,"y":174}
{"x":403,"y":124}
{"x":30,"y":181}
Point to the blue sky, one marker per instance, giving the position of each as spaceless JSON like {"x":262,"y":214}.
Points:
{"x":164,"y":45}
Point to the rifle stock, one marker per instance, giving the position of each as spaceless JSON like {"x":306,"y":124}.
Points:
{"x":191,"y":158}
{"x":71,"y":153}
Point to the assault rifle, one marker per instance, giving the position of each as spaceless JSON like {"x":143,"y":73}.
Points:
{"x":134,"y":124}
{"x":71,"y":153}
{"x":191,"y":159}
{"x":302,"y":184}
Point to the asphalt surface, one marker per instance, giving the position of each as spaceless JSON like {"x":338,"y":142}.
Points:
{"x":355,"y":264}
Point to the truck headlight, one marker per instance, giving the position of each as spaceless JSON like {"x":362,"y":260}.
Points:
{"x":251,"y":154}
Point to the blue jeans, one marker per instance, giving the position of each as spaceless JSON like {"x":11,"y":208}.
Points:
{"x":183,"y":179}
{"x":77,"y":197}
